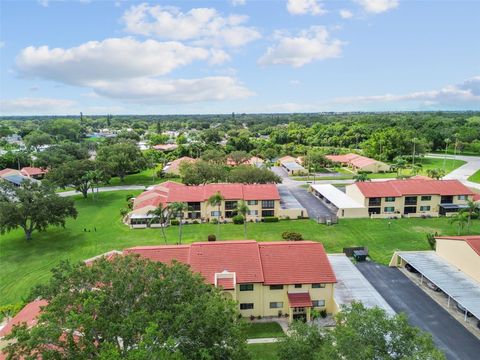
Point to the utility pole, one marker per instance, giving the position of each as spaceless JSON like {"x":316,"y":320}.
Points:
{"x":447,"y":141}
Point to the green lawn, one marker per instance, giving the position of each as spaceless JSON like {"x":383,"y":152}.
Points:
{"x":475,"y":177}
{"x":26,"y":264}
{"x":263,"y":330}
{"x":263,"y":351}
{"x":146,"y":177}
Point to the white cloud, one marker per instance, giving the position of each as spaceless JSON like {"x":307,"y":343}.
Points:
{"x":465,"y":93}
{"x":377,"y":6}
{"x":346,"y":14}
{"x":128,"y":69}
{"x":203,"y":25}
{"x":43,"y":3}
{"x":238,"y":2}
{"x":302,"y":7}
{"x":38,"y":106}
{"x":110,"y":59}
{"x":145,"y":90}
{"x":310,"y":45}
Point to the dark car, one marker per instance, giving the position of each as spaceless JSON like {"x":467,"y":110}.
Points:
{"x":462,"y":309}
{"x":478,"y":324}
{"x":433,"y":286}
{"x":411,"y":269}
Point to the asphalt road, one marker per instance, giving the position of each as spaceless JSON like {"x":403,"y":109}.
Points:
{"x":315,"y":207}
{"x":404,"y":296}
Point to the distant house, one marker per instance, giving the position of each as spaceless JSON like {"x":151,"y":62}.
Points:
{"x":165,"y":147}
{"x":359,"y":163}
{"x":292,"y":165}
{"x":173,"y":167}
{"x":33,"y":172}
{"x":14,"y":177}
{"x":263,"y":278}
{"x":254,"y":161}
{"x":412,"y":198}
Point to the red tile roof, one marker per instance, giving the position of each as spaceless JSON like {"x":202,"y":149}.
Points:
{"x":476,"y":197}
{"x":300,"y":262}
{"x":33,"y":171}
{"x":251,"y":161}
{"x":7,"y":171}
{"x":27,"y":315}
{"x":165,"y":147}
{"x":226,"y":283}
{"x":473,"y":241}
{"x":270,"y":263}
{"x":412,"y":187}
{"x":170,"y":191}
{"x":174,"y":166}
{"x":355,"y":160}
{"x":299,"y":299}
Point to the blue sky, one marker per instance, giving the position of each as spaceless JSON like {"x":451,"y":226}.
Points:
{"x":129,"y":57}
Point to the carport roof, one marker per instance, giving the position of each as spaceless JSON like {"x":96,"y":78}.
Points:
{"x":451,"y":281}
{"x":336,"y":196}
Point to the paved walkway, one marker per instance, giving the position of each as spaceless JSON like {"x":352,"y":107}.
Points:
{"x":463,"y":172}
{"x":262,"y":341}
{"x":105,"y":189}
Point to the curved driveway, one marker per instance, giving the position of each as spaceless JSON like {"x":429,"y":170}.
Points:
{"x":463,"y":172}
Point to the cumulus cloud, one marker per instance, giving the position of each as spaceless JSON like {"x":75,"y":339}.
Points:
{"x":145,"y":90}
{"x":202,"y":25}
{"x":128,"y":69}
{"x":39,"y":105}
{"x":310,"y":45}
{"x":377,"y":6}
{"x":110,"y":59}
{"x":346,"y":14}
{"x":465,"y":93}
{"x":302,"y":7}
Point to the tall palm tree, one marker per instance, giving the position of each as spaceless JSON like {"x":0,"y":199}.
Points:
{"x":361,"y":177}
{"x":461,"y":218}
{"x":216,"y":200}
{"x":162,"y":216}
{"x":471,"y":209}
{"x":243,"y":209}
{"x":177,"y":210}
{"x":95,"y":177}
{"x":400,"y":164}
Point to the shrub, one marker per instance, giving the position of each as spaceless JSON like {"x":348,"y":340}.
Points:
{"x":214,"y":221}
{"x":195,"y":222}
{"x":212,"y":237}
{"x":292,"y":236}
{"x":431,"y":241}
{"x":9,"y":310}
{"x":123,"y":212}
{"x":252,"y":317}
{"x":129,"y":197}
{"x":270,"y":219}
{"x":238,"y":219}
{"x":174,"y":222}
{"x":323,"y":313}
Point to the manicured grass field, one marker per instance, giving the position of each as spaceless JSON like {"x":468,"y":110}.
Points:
{"x":475,"y":177}
{"x":263,"y":351}
{"x":263,"y":330}
{"x":25,"y":264}
{"x":146,"y":177}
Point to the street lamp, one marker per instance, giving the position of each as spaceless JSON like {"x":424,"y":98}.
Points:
{"x":447,"y":141}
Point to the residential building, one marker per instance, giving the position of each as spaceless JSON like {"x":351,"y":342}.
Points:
{"x":173,"y":167}
{"x":33,"y":172}
{"x":359,"y":163}
{"x":264,"y":278}
{"x":253,"y":161}
{"x":412,"y":198}
{"x":165,"y":147}
{"x":292,"y":165}
{"x":263,"y":201}
{"x":14,"y":177}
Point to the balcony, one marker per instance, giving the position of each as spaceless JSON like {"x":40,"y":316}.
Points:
{"x":410,"y":200}
{"x":374,"y":201}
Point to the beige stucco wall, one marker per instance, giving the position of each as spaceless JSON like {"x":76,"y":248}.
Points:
{"x":354,"y":192}
{"x":461,"y":255}
{"x":352,"y":213}
{"x":375,"y":168}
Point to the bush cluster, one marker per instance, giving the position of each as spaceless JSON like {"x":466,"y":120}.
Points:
{"x":270,"y":219}
{"x":174,"y":222}
{"x":238,"y":219}
{"x":292,"y":236}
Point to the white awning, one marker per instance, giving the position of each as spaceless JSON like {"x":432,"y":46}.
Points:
{"x":453,"y":282}
{"x":336,"y":196}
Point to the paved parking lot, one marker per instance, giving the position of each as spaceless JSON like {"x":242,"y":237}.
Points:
{"x":315,"y":207}
{"x":404,"y":296}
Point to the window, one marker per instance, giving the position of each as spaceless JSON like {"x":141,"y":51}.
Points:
{"x":252,"y":202}
{"x":266,"y":213}
{"x":318,"y":286}
{"x":374,"y":210}
{"x":194,"y":206}
{"x":230,"y":205}
{"x":389,"y":209}
{"x":318,"y":303}
{"x":195,"y":215}
{"x":276,"y":287}
{"x":215,"y":213}
{"x":424,"y":208}
{"x":230,"y":214}
{"x":389,"y":199}
{"x":426,"y":198}
{"x":246,"y":306}
{"x":462,"y":197}
{"x":446,"y":199}
{"x":268,"y":204}
{"x":409,"y":210}
{"x":276,"y":305}
{"x":298,"y":286}
{"x":246,"y":287}
{"x":374,"y":201}
{"x":253,"y":212}
{"x":410,"y":200}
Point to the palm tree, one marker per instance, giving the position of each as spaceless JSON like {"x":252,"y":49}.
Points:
{"x":361,"y":177}
{"x":472,"y":208}
{"x":177,"y":209}
{"x":162,"y":216}
{"x":461,"y":218}
{"x":416,"y":168}
{"x":243,"y":209}
{"x":95,"y":177}
{"x":400,"y":164}
{"x":216,"y":200}
{"x":435,"y":173}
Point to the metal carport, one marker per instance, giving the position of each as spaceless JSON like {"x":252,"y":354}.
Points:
{"x":454,"y":283}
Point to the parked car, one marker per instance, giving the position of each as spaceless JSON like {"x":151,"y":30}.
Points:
{"x":478,"y":324}
{"x":411,"y":269}
{"x":432,"y":286}
{"x":462,"y":309}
